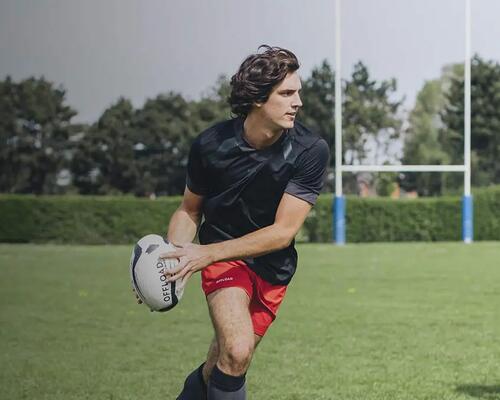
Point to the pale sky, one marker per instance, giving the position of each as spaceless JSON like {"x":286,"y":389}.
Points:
{"x":102,"y":49}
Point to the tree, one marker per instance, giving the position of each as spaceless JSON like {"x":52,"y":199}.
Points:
{"x":421,"y":144}
{"x":318,"y":97}
{"x":485,"y":121}
{"x":213,"y":107}
{"x":165,"y":129}
{"x":104,"y":160}
{"x":386,"y":183}
{"x":35,"y":124}
{"x":370,"y":116}
{"x":436,"y":131}
{"x":145,"y":151}
{"x":166,"y":126}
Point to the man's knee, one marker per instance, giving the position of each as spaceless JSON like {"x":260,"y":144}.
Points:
{"x":235,"y":357}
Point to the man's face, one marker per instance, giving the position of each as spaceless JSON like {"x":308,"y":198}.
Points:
{"x":283,"y":103}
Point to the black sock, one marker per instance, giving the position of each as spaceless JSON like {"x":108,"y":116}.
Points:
{"x":226,"y":387}
{"x":195,"y":387}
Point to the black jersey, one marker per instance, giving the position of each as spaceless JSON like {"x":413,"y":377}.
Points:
{"x":242,"y":186}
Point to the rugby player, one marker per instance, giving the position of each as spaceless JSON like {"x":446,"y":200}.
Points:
{"x":254,"y":179}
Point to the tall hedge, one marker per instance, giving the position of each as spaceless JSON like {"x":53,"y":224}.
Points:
{"x":384,"y":220}
{"x":99,"y":220}
{"x":422,"y":219}
{"x":82,"y":219}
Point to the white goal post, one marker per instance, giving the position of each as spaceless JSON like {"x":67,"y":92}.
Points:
{"x":339,"y":225}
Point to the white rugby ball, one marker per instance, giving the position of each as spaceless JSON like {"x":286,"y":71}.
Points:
{"x":147,"y":273}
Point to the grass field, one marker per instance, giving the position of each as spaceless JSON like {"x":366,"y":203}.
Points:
{"x":378,"y":321}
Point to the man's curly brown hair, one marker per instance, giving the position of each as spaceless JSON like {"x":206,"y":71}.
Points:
{"x":257,"y":76}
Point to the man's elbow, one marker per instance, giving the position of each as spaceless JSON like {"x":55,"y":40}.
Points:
{"x":194,"y":214}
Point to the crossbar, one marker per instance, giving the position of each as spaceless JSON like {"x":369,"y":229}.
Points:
{"x":403,"y":168}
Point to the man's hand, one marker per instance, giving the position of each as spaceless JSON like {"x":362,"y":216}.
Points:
{"x":193,"y":258}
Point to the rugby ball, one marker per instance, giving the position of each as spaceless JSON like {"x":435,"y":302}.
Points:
{"x":147,"y":273}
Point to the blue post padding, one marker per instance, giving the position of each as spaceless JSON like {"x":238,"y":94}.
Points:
{"x":339,"y":220}
{"x":467,"y":219}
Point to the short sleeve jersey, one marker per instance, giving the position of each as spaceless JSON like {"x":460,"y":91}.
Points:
{"x":242,"y":186}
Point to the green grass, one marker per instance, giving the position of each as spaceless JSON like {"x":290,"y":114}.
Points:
{"x":379,"y":321}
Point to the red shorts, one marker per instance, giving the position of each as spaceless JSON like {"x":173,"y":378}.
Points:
{"x":265,"y":298}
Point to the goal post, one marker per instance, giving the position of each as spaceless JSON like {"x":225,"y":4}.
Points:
{"x":339,"y":203}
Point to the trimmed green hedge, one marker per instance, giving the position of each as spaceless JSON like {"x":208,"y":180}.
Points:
{"x":384,"y":220}
{"x":99,"y":220}
{"x":423,"y":219}
{"x":86,"y":220}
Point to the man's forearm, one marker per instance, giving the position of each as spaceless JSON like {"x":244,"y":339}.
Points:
{"x":260,"y":242}
{"x":183,"y":226}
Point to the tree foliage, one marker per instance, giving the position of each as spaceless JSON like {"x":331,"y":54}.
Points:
{"x":370,"y":114}
{"x":436,"y":128}
{"x":35,"y":125}
{"x":485,"y":121}
{"x":104,"y":160}
{"x":144,"y":151}
{"x":421,"y":144}
{"x":318,"y":98}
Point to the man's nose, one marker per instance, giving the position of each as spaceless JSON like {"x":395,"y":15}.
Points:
{"x":297,"y":102}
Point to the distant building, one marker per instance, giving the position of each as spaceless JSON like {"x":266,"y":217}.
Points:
{"x":365,"y":183}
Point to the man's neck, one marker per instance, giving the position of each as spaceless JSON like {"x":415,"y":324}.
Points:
{"x":258,"y":134}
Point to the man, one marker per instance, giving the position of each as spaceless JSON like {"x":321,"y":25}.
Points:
{"x":254,"y":179}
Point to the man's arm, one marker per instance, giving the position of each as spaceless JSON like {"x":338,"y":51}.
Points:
{"x":290,"y":216}
{"x":185,"y":220}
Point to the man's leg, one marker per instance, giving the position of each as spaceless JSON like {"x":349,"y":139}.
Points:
{"x":229,"y":310}
{"x":213,"y":356}
{"x":194,"y":387}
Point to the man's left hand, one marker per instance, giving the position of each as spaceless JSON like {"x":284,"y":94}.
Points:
{"x":193,"y":258}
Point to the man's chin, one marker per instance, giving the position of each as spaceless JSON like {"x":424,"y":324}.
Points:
{"x":287,"y":124}
{"x":284,"y":124}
